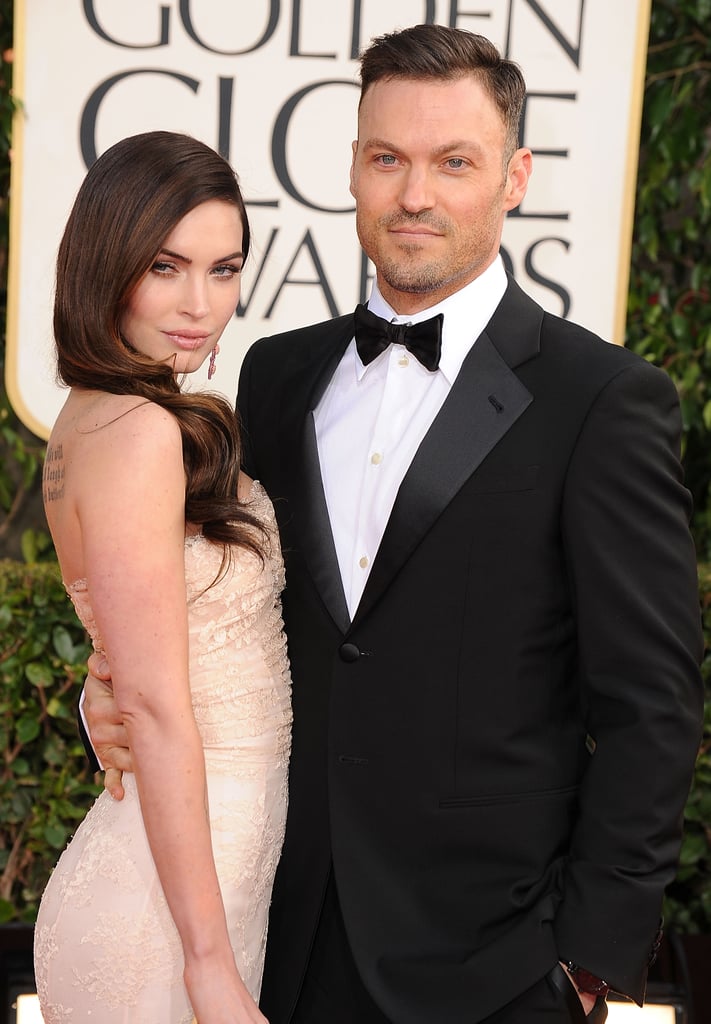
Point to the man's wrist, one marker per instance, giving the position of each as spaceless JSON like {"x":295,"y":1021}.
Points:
{"x":585,"y":981}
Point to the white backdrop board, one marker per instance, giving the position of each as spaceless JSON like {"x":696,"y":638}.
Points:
{"x":272,"y":84}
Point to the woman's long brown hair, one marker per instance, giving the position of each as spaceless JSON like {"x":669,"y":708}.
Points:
{"x":130,"y":200}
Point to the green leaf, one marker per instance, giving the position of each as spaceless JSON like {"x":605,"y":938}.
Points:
{"x":39,"y":674}
{"x":27,"y":730}
{"x":56,"y":836}
{"x":28,"y":546}
{"x":62,"y":643}
{"x":7,"y":911}
{"x":57,"y":708}
{"x":20,"y":766}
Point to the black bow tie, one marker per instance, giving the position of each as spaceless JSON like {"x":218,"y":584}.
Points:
{"x":373,"y":335}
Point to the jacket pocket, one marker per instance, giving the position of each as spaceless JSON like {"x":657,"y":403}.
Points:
{"x":513,"y":478}
{"x":495,"y":799}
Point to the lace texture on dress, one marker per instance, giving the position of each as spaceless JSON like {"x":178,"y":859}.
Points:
{"x":106,"y":948}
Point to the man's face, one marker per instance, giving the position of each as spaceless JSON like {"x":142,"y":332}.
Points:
{"x":430,"y":186}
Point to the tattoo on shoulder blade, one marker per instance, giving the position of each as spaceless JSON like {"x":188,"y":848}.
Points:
{"x":53,"y":474}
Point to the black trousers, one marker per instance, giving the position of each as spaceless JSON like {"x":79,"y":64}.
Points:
{"x":333,"y":992}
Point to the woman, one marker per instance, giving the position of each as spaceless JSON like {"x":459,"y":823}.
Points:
{"x":157,"y":910}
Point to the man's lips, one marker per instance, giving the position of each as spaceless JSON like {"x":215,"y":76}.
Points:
{"x":420,"y":232}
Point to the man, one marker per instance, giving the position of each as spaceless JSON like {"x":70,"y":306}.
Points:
{"x":491,"y":600}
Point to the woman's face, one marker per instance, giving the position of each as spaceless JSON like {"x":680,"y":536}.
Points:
{"x":180,"y":308}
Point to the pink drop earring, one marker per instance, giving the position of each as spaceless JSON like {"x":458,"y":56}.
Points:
{"x":211,"y":364}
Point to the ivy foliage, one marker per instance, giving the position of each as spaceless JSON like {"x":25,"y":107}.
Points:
{"x":688,"y":898}
{"x":45,"y":784}
{"x":669,"y":323}
{"x":669,"y":309}
{"x":21,"y":453}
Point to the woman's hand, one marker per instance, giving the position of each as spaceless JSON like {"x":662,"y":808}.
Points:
{"x":219,"y":996}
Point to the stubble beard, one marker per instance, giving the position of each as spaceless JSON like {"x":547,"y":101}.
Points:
{"x":414,"y":280}
{"x":409,"y":271}
{"x":405,"y":272}
{"x":409,"y":274}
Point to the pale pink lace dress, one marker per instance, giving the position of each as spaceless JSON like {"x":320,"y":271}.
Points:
{"x":106,"y":948}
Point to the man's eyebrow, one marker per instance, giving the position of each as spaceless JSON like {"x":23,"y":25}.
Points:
{"x":459,"y":145}
{"x":456,"y":145}
{"x":379,"y":144}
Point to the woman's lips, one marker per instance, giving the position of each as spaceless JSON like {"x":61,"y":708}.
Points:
{"x":186,"y":339}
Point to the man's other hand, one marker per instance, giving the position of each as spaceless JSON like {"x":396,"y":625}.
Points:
{"x":106,"y":729}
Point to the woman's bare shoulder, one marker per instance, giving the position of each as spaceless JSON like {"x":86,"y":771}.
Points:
{"x":112,"y":461}
{"x":95,"y":419}
{"x":120,"y":441}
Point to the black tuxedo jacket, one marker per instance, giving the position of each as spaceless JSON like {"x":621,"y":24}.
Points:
{"x":495,"y":753}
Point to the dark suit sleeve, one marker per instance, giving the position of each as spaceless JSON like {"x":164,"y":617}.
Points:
{"x":94,"y":765}
{"x":632,"y":572}
{"x":242,"y":409}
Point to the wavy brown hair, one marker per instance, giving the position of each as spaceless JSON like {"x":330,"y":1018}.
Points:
{"x":440,"y":53}
{"x":130,"y":200}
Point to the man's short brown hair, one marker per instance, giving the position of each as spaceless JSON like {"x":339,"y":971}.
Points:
{"x":438,"y":53}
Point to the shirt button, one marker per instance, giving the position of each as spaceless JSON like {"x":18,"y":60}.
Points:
{"x":403,"y":361}
{"x":376,"y":458}
{"x":363,"y":562}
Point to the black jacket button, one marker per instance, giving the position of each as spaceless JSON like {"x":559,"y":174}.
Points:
{"x":349,"y":652}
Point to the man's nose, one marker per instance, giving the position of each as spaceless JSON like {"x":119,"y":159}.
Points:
{"x":417,"y":190}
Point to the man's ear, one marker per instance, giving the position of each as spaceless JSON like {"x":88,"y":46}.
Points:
{"x":517,"y":175}
{"x":354,"y":150}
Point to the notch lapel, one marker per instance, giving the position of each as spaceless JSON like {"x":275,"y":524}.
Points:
{"x":307,"y":498}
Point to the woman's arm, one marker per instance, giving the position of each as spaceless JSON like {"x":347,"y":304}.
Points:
{"x":132,"y":522}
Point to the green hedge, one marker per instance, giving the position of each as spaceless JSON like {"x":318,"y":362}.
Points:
{"x":688,"y":906}
{"x":45,"y":786}
{"x":669,"y":305}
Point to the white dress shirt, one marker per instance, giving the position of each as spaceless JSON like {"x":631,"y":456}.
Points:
{"x":371,"y":420}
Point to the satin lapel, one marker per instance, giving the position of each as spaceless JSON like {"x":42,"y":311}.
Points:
{"x":486,"y":400}
{"x":307,"y":498}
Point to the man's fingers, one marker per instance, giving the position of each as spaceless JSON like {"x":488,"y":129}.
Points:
{"x":99,"y":667}
{"x":113,"y":751}
{"x":113,"y":783}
